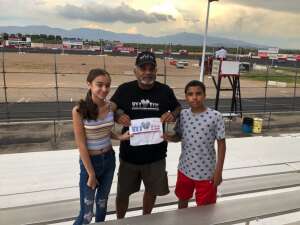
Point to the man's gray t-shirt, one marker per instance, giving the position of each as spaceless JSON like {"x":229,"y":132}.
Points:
{"x":198,"y":132}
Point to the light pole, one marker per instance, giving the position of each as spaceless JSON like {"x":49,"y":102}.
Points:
{"x":237,"y":58}
{"x":204,"y":41}
{"x":101,"y":47}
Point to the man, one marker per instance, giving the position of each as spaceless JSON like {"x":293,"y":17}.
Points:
{"x":141,"y":99}
{"x":221,"y":54}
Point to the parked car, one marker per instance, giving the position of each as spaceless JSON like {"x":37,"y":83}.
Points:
{"x":179,"y":65}
{"x":245,"y":66}
{"x":173,"y":62}
{"x":184,"y":62}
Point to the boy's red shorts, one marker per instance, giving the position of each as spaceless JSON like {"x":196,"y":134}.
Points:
{"x":206,"y":192}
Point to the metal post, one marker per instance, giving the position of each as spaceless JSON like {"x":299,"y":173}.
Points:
{"x":165,"y":71}
{"x":101,"y":48}
{"x":239,"y":25}
{"x":237,"y":53}
{"x":204,"y":44}
{"x":4,"y":84}
{"x":57,"y":99}
{"x":269,"y":119}
{"x":62,"y":45}
{"x":56,"y":87}
{"x":19,"y":45}
{"x":54,"y":131}
{"x":266,"y":89}
{"x":218,"y":91}
{"x":104,"y":63}
{"x":295,"y":90}
{"x":101,"y":53}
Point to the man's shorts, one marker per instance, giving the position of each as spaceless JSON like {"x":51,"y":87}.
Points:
{"x":206,"y":192}
{"x":153,"y":175}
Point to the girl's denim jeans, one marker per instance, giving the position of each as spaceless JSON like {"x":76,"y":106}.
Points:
{"x":104,"y":166}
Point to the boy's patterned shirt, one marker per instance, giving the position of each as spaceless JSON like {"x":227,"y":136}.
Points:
{"x":199,"y":132}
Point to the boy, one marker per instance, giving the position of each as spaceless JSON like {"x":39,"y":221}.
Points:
{"x":198,"y":127}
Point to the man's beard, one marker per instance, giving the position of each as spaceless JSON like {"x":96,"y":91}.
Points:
{"x":147,"y":81}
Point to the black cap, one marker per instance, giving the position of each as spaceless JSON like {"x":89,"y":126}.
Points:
{"x":145,"y":58}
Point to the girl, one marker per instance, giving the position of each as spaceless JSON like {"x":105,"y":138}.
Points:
{"x":92,"y":122}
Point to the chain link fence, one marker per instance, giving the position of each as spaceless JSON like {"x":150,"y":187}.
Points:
{"x":45,"y":87}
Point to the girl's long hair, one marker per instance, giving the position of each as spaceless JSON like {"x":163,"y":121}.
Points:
{"x":87,"y":108}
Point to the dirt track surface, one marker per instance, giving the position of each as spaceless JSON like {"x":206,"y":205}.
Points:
{"x":31,"y":77}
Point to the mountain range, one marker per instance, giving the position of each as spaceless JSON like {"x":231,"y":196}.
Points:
{"x":182,"y":38}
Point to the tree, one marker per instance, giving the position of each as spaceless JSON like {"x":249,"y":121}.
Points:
{"x":51,"y":37}
{"x":44,"y":36}
{"x":5,"y":36}
{"x":58,"y":37}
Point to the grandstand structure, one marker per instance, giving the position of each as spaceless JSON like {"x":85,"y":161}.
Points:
{"x":15,"y":41}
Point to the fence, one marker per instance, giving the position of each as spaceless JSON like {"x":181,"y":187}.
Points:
{"x":44,"y":87}
{"x":41,"y":86}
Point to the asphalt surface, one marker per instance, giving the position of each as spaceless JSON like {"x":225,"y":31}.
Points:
{"x":36,"y":111}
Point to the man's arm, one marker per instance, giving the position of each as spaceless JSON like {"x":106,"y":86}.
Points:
{"x":171,"y":138}
{"x":117,"y":100}
{"x":170,"y":116}
{"x":176,"y":111}
{"x":175,"y":108}
{"x":120,"y":116}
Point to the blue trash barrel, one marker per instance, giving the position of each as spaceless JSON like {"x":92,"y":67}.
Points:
{"x":247,"y":125}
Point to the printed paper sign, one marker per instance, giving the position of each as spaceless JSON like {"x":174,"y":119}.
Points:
{"x":215,"y":68}
{"x":146,"y":131}
{"x":230,"y":68}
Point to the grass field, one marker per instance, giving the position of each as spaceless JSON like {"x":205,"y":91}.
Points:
{"x":279,"y":74}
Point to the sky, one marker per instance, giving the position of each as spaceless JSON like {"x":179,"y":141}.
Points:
{"x":267,"y":22}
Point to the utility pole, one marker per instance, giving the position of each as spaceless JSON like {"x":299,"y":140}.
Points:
{"x":204,"y":41}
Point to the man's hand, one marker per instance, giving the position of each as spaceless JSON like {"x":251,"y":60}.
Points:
{"x":167,"y":117}
{"x":167,"y":137}
{"x":124,"y":120}
{"x":125,"y":137}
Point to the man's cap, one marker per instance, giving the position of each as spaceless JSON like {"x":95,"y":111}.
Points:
{"x":145,"y":58}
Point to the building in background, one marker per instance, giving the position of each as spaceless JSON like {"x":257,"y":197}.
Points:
{"x":270,"y":53}
{"x":72,"y":43}
{"x":16,"y":41}
{"x":183,"y":52}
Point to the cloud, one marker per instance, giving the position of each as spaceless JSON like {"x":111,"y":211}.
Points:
{"x":189,"y":16}
{"x":23,"y":3}
{"x":132,"y":30}
{"x":256,"y":25}
{"x":105,"y":14}
{"x":39,"y":2}
{"x":291,"y":6}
